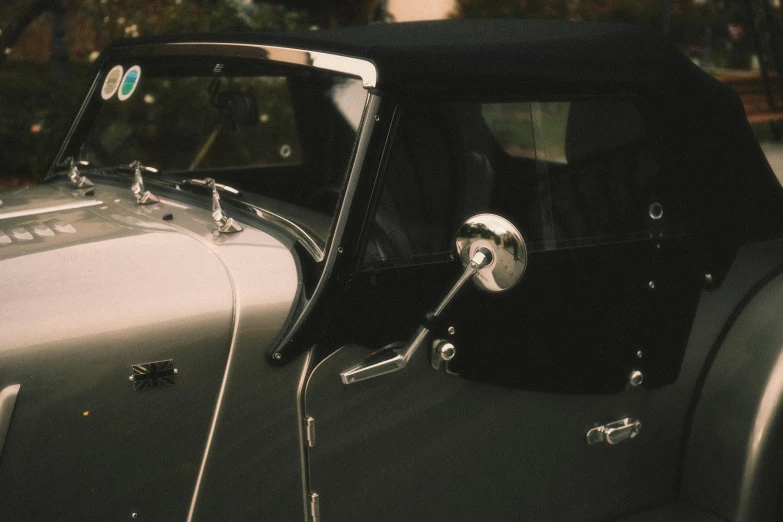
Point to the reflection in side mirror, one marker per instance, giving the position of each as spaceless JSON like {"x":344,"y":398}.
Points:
{"x":495,"y":257}
{"x":503,"y":240}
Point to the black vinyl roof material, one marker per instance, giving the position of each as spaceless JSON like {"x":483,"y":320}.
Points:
{"x":467,"y":52}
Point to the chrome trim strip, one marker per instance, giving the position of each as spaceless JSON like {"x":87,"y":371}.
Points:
{"x":308,"y":242}
{"x":47,"y":210}
{"x":365,"y":132}
{"x":364,"y":69}
{"x":304,"y":461}
{"x":229,"y":360}
{"x":760,"y":440}
{"x":7,"y":402}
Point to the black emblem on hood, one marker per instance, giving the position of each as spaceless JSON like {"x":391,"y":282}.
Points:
{"x":153,"y":374}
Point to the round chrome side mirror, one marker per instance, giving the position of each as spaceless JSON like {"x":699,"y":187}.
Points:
{"x":495,"y":257}
{"x":503,"y":240}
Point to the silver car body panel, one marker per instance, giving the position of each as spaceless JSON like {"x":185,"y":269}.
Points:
{"x":735,"y":451}
{"x":90,"y":291}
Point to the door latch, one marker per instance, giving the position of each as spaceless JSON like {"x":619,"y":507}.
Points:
{"x":614,"y":432}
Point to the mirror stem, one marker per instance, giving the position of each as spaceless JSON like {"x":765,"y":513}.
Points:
{"x":396,"y":359}
{"x":480,"y":259}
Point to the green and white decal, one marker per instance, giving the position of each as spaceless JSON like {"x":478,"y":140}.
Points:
{"x":129,"y":82}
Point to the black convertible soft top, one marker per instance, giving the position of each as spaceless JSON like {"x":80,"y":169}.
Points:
{"x":425,"y":54}
{"x":730,"y":179}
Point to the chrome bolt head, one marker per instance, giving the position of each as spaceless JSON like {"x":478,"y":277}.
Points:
{"x":447,"y":351}
{"x":134,"y":515}
{"x":639,"y":354}
{"x":651,"y":284}
{"x":377,"y":117}
{"x":277,"y":356}
{"x":655,"y":211}
{"x":451,"y":330}
{"x":635,"y":379}
{"x":708,"y":278}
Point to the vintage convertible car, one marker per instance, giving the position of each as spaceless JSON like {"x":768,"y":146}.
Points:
{"x":492,"y":270}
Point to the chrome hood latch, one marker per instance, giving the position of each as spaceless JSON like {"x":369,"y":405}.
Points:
{"x":225,"y":224}
{"x":77,"y":180}
{"x":143,"y":196}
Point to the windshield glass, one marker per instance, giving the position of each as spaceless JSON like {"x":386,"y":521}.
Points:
{"x":281,"y":134}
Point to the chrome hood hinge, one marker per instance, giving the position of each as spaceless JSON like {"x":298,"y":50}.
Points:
{"x":315,"y":507}
{"x":310,"y":432}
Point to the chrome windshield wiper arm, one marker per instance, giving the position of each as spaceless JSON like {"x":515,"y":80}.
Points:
{"x":206,"y":183}
{"x":74,"y":176}
{"x":143,"y":196}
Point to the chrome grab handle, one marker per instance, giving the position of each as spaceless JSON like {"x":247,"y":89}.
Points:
{"x":614,"y":432}
{"x":390,"y":359}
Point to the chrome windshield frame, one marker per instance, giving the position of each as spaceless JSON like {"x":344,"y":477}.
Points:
{"x":340,"y":64}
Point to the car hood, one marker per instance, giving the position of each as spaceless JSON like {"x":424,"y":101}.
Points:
{"x":80,"y":265}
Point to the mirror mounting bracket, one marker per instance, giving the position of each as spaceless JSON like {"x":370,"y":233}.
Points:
{"x":391,"y":359}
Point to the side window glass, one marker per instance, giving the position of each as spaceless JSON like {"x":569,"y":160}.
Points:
{"x":567,"y":173}
{"x":415,"y":214}
{"x":584,"y":170}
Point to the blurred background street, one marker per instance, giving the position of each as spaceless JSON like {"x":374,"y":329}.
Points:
{"x":49,"y":45}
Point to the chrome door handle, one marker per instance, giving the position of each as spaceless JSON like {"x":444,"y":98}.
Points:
{"x":7,"y":403}
{"x":614,"y":432}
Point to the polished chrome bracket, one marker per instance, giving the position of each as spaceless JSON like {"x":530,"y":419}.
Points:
{"x":315,"y":507}
{"x":310,"y":432}
{"x":77,"y":180}
{"x":614,"y":432}
{"x":143,"y":196}
{"x":391,"y":360}
{"x":225,"y":224}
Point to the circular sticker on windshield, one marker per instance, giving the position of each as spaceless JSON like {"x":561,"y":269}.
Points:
{"x":129,"y":82}
{"x":112,"y":82}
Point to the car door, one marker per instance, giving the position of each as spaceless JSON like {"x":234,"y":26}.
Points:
{"x":590,"y":340}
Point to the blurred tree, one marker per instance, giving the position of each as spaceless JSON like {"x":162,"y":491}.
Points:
{"x":688,"y":18}
{"x":336,"y":13}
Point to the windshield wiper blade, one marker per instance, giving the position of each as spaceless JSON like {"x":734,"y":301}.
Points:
{"x":206,"y":183}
